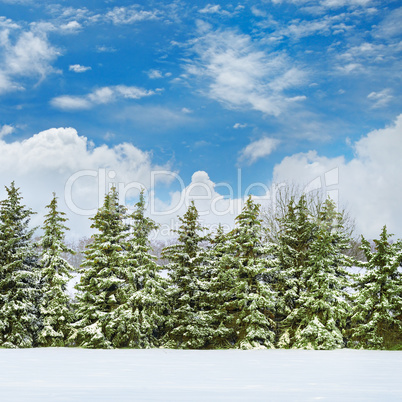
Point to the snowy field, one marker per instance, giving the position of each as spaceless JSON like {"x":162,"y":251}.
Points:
{"x":61,"y":374}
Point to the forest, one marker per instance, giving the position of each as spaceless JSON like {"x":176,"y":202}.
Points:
{"x":286,"y":281}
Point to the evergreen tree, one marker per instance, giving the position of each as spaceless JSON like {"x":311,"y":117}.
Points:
{"x":292,"y":254}
{"x":322,"y":309}
{"x":56,"y":312}
{"x":19,"y":293}
{"x":377,"y":311}
{"x":138,"y":322}
{"x":105,"y":281}
{"x":244,"y":302}
{"x":219,"y":280}
{"x":188,"y":325}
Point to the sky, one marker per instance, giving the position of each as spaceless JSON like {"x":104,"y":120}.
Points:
{"x":204,"y":101}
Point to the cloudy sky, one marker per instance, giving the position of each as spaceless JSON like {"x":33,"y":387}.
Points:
{"x":202,"y":100}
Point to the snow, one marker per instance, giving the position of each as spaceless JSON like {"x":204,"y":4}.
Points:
{"x":72,"y":374}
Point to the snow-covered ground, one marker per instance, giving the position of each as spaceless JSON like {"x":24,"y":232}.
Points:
{"x":61,"y":374}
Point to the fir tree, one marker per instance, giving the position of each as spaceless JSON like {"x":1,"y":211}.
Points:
{"x":138,"y":322}
{"x":105,"y":281}
{"x":377,"y":311}
{"x":243,"y":300}
{"x":56,"y":312}
{"x":188,"y":324}
{"x":19,"y":293}
{"x":322,"y":308}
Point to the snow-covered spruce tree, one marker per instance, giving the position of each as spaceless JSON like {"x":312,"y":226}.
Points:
{"x":377,"y":311}
{"x":19,"y":292}
{"x":55,"y":306}
{"x":138,"y":322}
{"x":105,"y":281}
{"x":323,"y":308}
{"x":188,"y":325}
{"x":244,"y":302}
{"x":219,"y":280}
{"x":292,"y":254}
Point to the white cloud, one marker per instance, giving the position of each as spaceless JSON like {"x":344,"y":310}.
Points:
{"x":343,"y":3}
{"x":327,"y":3}
{"x":215,"y":202}
{"x":46,"y":161}
{"x":258,"y":12}
{"x":30,"y":55}
{"x":212,"y":9}
{"x":17,"y":1}
{"x":380,"y":99}
{"x":129,"y":15}
{"x":99,"y":96}
{"x":8,"y":23}
{"x":59,"y":160}
{"x":70,"y":27}
{"x":371,"y":58}
{"x":369,"y":184}
{"x":155,"y":118}
{"x":239,"y":74}
{"x":239,"y":125}
{"x":257,"y":150}
{"x":217,"y":9}
{"x":390,"y":27}
{"x":6,"y":130}
{"x":77,"y":68}
{"x":105,"y":49}
{"x":153,"y":74}
{"x":67,"y":102}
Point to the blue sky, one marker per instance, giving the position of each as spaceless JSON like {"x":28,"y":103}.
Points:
{"x":280,"y":89}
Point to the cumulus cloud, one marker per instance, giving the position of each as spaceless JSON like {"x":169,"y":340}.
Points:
{"x":99,"y":96}
{"x":153,"y":74}
{"x":26,"y":54}
{"x":216,"y":203}
{"x":240,"y":75}
{"x":60,"y":160}
{"x":257,"y":150}
{"x":70,"y":27}
{"x":368,"y":184}
{"x":77,"y":68}
{"x":8,"y":23}
{"x":6,"y":130}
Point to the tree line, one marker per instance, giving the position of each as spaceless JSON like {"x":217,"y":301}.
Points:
{"x":243,"y":289}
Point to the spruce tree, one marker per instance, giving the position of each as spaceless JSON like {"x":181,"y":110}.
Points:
{"x":292,"y":253}
{"x":19,"y":293}
{"x":104,"y":284}
{"x":219,"y":280}
{"x":188,"y":325}
{"x":55,"y":308}
{"x":377,"y":312}
{"x":244,"y":302}
{"x":322,"y":310}
{"x":138,"y":322}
